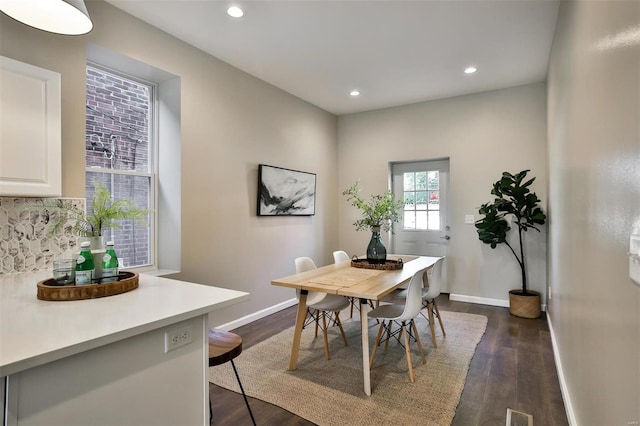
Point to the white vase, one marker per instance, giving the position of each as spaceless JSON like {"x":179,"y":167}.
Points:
{"x":97,"y":243}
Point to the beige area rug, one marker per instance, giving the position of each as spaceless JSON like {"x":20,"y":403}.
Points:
{"x":331,"y":392}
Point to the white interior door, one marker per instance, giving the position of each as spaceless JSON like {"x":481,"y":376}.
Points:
{"x":424,"y":227}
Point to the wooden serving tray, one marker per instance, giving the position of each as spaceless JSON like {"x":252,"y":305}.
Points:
{"x":127,"y":281}
{"x":388,"y":265}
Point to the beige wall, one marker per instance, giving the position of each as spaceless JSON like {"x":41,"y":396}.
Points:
{"x":594,"y":198}
{"x":231,"y":122}
{"x":482,"y":135}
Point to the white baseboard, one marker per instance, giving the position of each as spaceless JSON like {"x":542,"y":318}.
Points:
{"x":571,"y":417}
{"x":479,"y":300}
{"x":485,"y":301}
{"x":258,"y":315}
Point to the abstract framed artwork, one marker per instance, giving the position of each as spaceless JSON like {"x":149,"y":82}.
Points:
{"x":285,"y":192}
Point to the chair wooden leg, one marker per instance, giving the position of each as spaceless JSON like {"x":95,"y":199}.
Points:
{"x":435,"y":305}
{"x":408,"y":350}
{"x":317,"y":320}
{"x":386,"y":342}
{"x":431,"y":324}
{"x":344,"y":336}
{"x":415,"y":331}
{"x":326,"y":337}
{"x":375,"y":346}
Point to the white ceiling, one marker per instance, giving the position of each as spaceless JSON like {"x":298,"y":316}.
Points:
{"x":394,"y":52}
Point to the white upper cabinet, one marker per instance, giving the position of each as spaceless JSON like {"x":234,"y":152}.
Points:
{"x":30,"y":134}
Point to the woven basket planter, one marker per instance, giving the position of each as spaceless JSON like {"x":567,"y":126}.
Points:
{"x":524,"y":306}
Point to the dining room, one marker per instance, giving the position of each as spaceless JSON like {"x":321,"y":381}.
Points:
{"x":575,"y":127}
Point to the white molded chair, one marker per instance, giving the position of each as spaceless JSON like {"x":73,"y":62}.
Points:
{"x":342,"y":256}
{"x":319,"y":304}
{"x":404,"y":314}
{"x":429,"y":295}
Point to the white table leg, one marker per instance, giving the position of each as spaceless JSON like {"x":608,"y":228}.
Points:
{"x":364,"y":322}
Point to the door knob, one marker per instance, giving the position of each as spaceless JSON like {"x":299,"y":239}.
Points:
{"x":446,"y":237}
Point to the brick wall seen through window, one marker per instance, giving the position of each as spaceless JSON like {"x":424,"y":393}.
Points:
{"x":119,"y":154}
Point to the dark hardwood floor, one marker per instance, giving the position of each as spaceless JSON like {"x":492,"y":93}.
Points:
{"x":513,"y":367}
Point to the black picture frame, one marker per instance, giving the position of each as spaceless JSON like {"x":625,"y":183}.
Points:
{"x":285,"y":192}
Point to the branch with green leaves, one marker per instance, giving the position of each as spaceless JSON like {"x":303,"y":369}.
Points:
{"x":380,"y":210}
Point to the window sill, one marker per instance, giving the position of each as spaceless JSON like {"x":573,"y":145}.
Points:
{"x":158,"y":272}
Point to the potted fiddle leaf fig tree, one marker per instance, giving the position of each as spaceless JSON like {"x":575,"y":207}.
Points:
{"x":378,"y":213}
{"x":513,"y":201}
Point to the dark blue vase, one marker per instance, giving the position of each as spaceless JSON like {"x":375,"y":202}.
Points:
{"x":376,"y":252}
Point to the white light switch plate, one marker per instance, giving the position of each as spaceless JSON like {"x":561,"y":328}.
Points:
{"x":469,"y":218}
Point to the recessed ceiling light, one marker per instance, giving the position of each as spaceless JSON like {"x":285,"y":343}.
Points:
{"x":235,"y":12}
{"x":354,"y":93}
{"x":470,"y":70}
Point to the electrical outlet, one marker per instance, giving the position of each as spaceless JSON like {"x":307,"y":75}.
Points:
{"x":469,"y":219}
{"x":178,"y":337}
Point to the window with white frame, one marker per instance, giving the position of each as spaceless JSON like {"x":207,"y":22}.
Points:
{"x":120,"y":154}
{"x":421,"y":191}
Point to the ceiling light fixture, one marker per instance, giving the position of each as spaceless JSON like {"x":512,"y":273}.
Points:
{"x":470,"y":70}
{"x":354,"y":93}
{"x":235,"y":12}
{"x":69,"y":17}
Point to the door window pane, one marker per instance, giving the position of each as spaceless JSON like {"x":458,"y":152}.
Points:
{"x":409,"y":220}
{"x":409,"y":201}
{"x":421,"y":200}
{"x":433,"y":180}
{"x":409,"y":181}
{"x":421,"y":181}
{"x":434,"y":220}
{"x":421,"y":220}
{"x":434,"y":200}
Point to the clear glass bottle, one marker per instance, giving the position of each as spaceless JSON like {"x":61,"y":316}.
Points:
{"x":85,"y":267}
{"x":109,"y":264}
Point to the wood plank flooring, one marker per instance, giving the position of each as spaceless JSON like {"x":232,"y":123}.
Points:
{"x":513,"y":367}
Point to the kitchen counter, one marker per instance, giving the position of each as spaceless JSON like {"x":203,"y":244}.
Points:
{"x":36,"y":334}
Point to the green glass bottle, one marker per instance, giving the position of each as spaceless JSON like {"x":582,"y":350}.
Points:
{"x":84,"y":265}
{"x":109,"y":264}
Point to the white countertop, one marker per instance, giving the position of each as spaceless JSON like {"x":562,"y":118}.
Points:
{"x":34,"y":332}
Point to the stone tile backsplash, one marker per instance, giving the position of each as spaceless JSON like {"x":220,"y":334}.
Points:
{"x":25,"y":241}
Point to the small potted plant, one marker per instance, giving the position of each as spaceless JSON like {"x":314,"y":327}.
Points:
{"x":514,"y":201}
{"x":378,"y":213}
{"x":102,"y":214}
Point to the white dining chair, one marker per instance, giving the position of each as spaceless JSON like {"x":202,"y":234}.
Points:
{"x":405,"y":315}
{"x":321,"y":305}
{"x":340,"y":256}
{"x":430,"y":291}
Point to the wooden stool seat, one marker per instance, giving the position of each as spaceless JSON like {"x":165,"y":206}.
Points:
{"x":224,"y":346}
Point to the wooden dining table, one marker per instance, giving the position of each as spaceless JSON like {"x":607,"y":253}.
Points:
{"x":346,"y":280}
